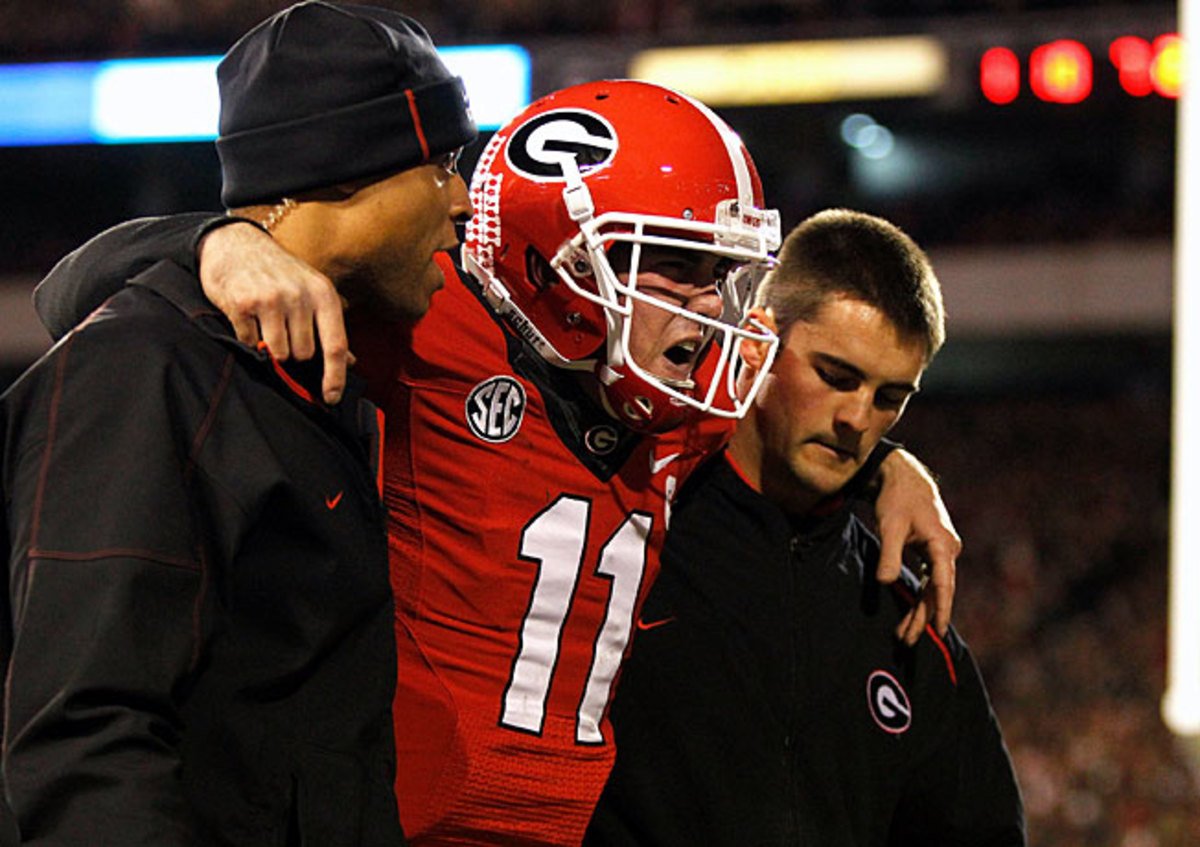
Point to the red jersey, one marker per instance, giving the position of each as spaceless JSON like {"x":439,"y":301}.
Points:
{"x":525,"y":528}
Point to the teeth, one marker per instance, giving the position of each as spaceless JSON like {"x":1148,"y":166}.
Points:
{"x":690,"y":346}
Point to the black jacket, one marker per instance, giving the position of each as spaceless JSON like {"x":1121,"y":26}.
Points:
{"x":768,"y":702}
{"x":202,"y":642}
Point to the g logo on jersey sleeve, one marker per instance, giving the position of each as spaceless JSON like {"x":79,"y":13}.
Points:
{"x":888,"y":703}
{"x":539,"y":146}
{"x":495,"y":409}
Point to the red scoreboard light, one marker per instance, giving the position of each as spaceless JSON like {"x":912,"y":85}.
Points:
{"x":1132,"y":57}
{"x":1062,"y":72}
{"x":1000,"y":75}
{"x":1167,"y":67}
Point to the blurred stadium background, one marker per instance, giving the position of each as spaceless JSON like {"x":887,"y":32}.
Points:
{"x":1049,"y":218}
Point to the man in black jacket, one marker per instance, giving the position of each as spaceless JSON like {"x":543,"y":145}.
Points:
{"x":767,"y":701}
{"x":201,"y":614}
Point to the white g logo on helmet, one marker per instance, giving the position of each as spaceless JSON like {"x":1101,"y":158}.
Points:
{"x":538,"y":147}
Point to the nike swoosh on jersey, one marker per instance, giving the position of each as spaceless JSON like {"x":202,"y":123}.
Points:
{"x":657,"y":465}
{"x":645,"y":625}
{"x":332,"y":502}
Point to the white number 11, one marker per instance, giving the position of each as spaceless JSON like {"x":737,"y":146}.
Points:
{"x":556,"y":539}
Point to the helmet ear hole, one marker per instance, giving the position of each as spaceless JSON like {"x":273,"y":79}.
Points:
{"x":538,"y":270}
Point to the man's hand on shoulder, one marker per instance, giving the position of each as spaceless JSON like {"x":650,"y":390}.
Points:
{"x":911,"y":514}
{"x":269,"y":295}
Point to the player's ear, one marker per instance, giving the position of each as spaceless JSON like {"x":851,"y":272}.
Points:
{"x":754,"y":353}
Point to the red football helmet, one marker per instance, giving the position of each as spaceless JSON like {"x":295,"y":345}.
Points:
{"x":628,"y":163}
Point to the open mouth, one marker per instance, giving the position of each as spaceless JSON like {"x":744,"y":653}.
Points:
{"x":683,"y":353}
{"x":677,"y":363}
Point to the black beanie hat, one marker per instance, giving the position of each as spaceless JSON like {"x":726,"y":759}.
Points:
{"x":323,"y":93}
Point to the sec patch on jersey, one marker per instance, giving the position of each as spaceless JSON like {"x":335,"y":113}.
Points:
{"x":495,"y":409}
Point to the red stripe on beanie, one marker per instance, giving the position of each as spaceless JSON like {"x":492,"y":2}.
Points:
{"x":416,"y":116}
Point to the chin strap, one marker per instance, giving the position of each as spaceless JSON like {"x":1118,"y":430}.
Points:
{"x":576,"y":196}
{"x":582,"y":209}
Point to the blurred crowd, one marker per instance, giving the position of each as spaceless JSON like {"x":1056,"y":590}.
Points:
{"x":1062,"y":502}
{"x":1076,"y":183}
{"x":32,"y":30}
